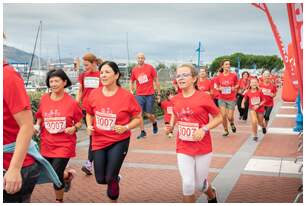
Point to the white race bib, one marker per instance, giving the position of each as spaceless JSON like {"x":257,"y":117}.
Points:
{"x":226,"y":90}
{"x":143,"y":79}
{"x":91,"y":82}
{"x":266,"y":92}
{"x":186,"y":130}
{"x":255,"y":100}
{"x":105,"y":121}
{"x":55,"y":125}
{"x":169,"y":110}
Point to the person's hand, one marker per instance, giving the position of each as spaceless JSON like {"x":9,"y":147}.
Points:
{"x":120,"y":129}
{"x":36,"y":129}
{"x":256,"y":106}
{"x":12,"y":181}
{"x":70,"y":130}
{"x":168,"y":129}
{"x":198,"y":134}
{"x":90,"y":129}
{"x":158,"y":98}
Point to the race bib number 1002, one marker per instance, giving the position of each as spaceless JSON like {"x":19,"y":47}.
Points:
{"x":105,"y":121}
{"x":186,"y":130}
{"x":55,"y":125}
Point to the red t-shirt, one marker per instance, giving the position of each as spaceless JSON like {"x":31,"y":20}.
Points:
{"x":215,"y":92}
{"x":179,"y":90}
{"x":167,"y":108}
{"x":226,"y":82}
{"x":266,"y":89}
{"x":15,"y":99}
{"x":56,"y":116}
{"x":89,"y":81}
{"x":254,"y":99}
{"x":108,"y":112}
{"x":243,"y":85}
{"x":144,"y":76}
{"x":204,"y":86}
{"x":192,"y":113}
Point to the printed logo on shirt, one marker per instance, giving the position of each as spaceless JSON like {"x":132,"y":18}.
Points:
{"x":255,"y":100}
{"x":105,"y":121}
{"x":91,"y":82}
{"x":143,"y":78}
{"x":186,"y":130}
{"x":169,"y":110}
{"x":185,"y":114}
{"x":226,"y":90}
{"x":55,"y":125}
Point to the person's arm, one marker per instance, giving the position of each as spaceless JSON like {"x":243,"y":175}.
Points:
{"x":12,"y":180}
{"x":37,"y":126}
{"x":73,"y":129}
{"x":157,"y":86}
{"x":135,"y":122}
{"x":79,"y":94}
{"x":200,"y":133}
{"x":131,"y":86}
{"x":89,"y":122}
{"x":169,"y":128}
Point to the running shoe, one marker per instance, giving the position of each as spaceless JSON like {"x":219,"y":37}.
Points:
{"x":233,"y":127}
{"x":213,"y":200}
{"x":264,"y":130}
{"x":87,"y":167}
{"x":155,"y":128}
{"x":67,"y":182}
{"x":225,"y":134}
{"x":142,"y":134}
{"x":255,"y":138}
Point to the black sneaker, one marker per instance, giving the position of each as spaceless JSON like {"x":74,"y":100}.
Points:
{"x":214,"y":200}
{"x":142,"y":134}
{"x":233,"y":127}
{"x":264,"y":130}
{"x":67,"y":182}
{"x":255,"y":138}
{"x":155,"y":128}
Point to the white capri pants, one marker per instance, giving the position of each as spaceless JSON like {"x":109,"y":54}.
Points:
{"x":194,"y":172}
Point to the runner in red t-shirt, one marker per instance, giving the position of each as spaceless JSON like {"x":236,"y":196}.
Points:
{"x":193,"y":146}
{"x":88,"y":81}
{"x":244,"y":84}
{"x":167,"y":108}
{"x":145,"y":77}
{"x":20,"y":171}
{"x":215,"y":92}
{"x":269,"y":91}
{"x":227,"y":85}
{"x":111,"y":113}
{"x":256,"y":106}
{"x":59,"y":116}
{"x":204,"y":84}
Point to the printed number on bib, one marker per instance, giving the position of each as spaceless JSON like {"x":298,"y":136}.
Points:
{"x":55,"y":125}
{"x":91,"y":82}
{"x":186,"y":130}
{"x":266,"y":91}
{"x":226,"y":90}
{"x":105,"y":121}
{"x":143,"y":79}
{"x":169,"y":110}
{"x":255,"y":100}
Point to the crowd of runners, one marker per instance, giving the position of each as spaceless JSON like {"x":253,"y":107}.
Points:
{"x":195,"y":105}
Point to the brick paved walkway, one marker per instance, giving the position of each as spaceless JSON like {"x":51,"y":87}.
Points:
{"x":150,"y":171}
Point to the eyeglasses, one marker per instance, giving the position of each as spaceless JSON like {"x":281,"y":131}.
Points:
{"x":182,"y":75}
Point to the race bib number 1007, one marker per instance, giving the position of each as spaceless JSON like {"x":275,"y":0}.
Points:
{"x":105,"y":121}
{"x":186,"y":130}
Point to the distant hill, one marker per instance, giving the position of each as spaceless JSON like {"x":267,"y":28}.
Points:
{"x":13,"y":54}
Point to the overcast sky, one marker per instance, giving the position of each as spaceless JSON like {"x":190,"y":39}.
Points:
{"x":161,"y":31}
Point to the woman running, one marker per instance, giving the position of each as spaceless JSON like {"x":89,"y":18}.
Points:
{"x":194,"y":148}
{"x":256,"y":106}
{"x":59,"y":116}
{"x":88,"y":80}
{"x":111,"y":113}
{"x":227,"y":85}
{"x":244,"y":84}
{"x":204,"y":84}
{"x":167,"y":108}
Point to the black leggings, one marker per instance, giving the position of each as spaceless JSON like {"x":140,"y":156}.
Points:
{"x":59,"y":166}
{"x":107,"y":164}
{"x":90,"y":153}
{"x":29,"y":176}
{"x":268,"y":111}
{"x":242,"y":112}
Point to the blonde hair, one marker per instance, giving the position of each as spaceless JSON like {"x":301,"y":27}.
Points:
{"x":90,"y":57}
